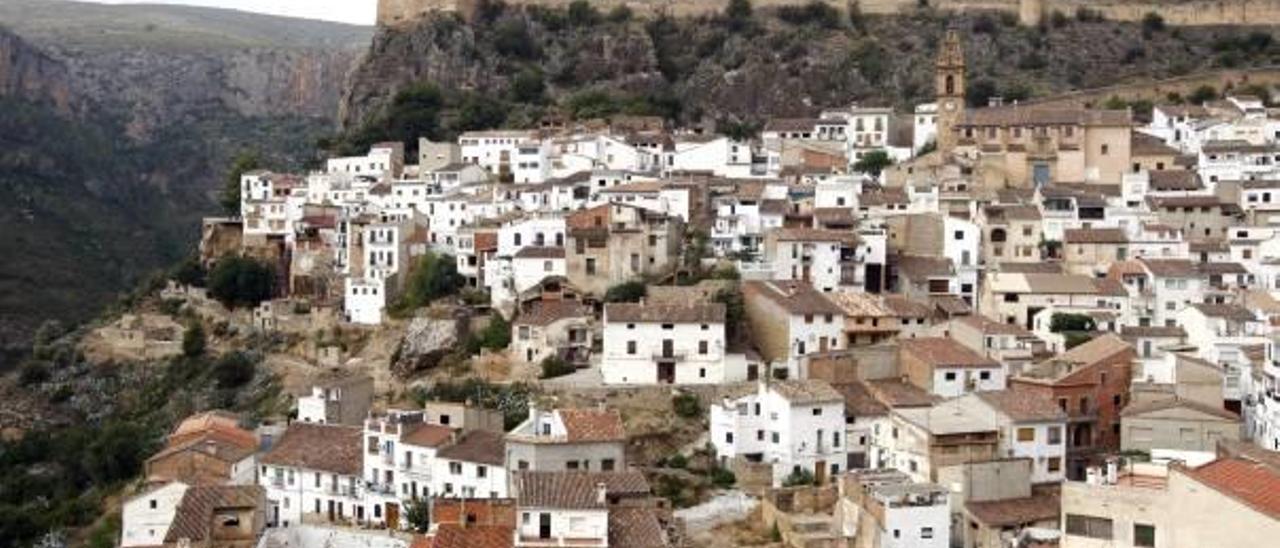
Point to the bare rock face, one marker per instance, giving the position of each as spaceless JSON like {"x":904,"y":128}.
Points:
{"x":426,"y":342}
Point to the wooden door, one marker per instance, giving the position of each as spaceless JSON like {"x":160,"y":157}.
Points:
{"x":393,"y":515}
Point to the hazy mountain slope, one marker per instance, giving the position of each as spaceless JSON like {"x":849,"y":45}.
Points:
{"x":118,"y":123}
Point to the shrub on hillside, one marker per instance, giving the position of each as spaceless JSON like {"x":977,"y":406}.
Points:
{"x":627,"y":292}
{"x":553,"y":367}
{"x":687,"y":405}
{"x":233,"y":370}
{"x":241,"y":282}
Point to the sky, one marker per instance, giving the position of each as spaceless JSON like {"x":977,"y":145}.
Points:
{"x":346,"y":11}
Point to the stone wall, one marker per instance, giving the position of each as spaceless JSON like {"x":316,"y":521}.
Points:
{"x":1029,"y":12}
{"x":1159,"y":90}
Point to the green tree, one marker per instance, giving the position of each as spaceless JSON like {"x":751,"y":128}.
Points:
{"x":872,"y":163}
{"x":583,"y":14}
{"x":233,"y":370}
{"x":738,"y":13}
{"x":1202,"y":94}
{"x":512,"y":38}
{"x":434,"y":276}
{"x":620,"y":14}
{"x":1152,"y":23}
{"x":528,"y":87}
{"x":734,"y":312}
{"x":798,"y":477}
{"x":497,"y":334}
{"x":979,"y":92}
{"x":193,"y":340}
{"x":190,"y":272}
{"x":1063,"y":321}
{"x":240,"y":281}
{"x":244,"y":162}
{"x":686,"y":405}
{"x":418,"y":514}
{"x":626,"y":292}
{"x":553,"y":367}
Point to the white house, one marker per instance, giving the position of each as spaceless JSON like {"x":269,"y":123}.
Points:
{"x":886,"y":509}
{"x":312,"y":474}
{"x":1033,"y":427}
{"x":666,"y":344}
{"x":145,"y":519}
{"x":516,"y":155}
{"x":570,"y":508}
{"x":472,"y":467}
{"x":797,"y":426}
{"x":926,"y":126}
{"x":824,"y":258}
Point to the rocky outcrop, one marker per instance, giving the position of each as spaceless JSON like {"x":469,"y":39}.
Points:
{"x":426,"y":342}
{"x":28,"y":73}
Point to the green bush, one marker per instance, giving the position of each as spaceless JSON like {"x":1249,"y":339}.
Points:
{"x":33,"y":372}
{"x":723,"y":478}
{"x":553,"y":367}
{"x":418,"y":514}
{"x":627,"y":292}
{"x":687,"y":405}
{"x":433,"y":277}
{"x":583,"y":14}
{"x":190,"y":272}
{"x":233,"y":370}
{"x":738,"y":14}
{"x":1202,"y":94}
{"x":512,"y":38}
{"x":816,"y":13}
{"x":1152,"y":23}
{"x":620,"y":14}
{"x":528,"y":87}
{"x":193,"y":340}
{"x":677,"y":461}
{"x":873,"y":163}
{"x":799,"y":477}
{"x":241,"y":282}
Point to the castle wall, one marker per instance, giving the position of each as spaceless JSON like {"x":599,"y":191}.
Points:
{"x":1174,"y":12}
{"x":1158,"y":91}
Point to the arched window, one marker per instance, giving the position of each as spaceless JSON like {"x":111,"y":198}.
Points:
{"x":951,"y":84}
{"x":998,"y":235}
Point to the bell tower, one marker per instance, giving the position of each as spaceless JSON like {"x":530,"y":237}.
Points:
{"x":949,"y":87}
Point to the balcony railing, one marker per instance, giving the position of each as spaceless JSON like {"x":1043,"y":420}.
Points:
{"x":668,"y":356}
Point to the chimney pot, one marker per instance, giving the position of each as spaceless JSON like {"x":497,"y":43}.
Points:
{"x":602,"y":493}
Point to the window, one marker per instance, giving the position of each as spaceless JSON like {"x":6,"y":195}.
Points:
{"x":1089,"y":526}
{"x":1105,"y":149}
{"x":1144,"y":535}
{"x":774,"y":437}
{"x":153,"y":504}
{"x":1054,"y":465}
{"x":631,"y":348}
{"x":984,"y":375}
{"x":759,"y":435}
{"x":959,"y":235}
{"x":926,"y":532}
{"x":455,"y":468}
{"x":728,"y":437}
{"x":482,"y":471}
{"x":702,"y":347}
{"x":606,"y":465}
{"x":1026,"y":434}
{"x":1055,"y":435}
{"x":950,"y":375}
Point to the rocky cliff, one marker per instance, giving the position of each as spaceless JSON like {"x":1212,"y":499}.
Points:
{"x":119,"y":121}
{"x":775,"y":64}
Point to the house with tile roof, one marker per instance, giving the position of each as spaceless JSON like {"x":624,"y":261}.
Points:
{"x":668,"y":344}
{"x":1032,"y":427}
{"x":944,"y":367}
{"x":205,"y":449}
{"x":472,"y":466}
{"x":567,"y":439}
{"x":206,"y":516}
{"x":604,"y":509}
{"x":313,"y":475}
{"x":922,"y":441}
{"x":1090,"y":382}
{"x":1176,"y":424}
{"x":790,"y":321}
{"x":559,"y":328}
{"x":795,"y":426}
{"x":1230,"y":501}
{"x":894,"y":510}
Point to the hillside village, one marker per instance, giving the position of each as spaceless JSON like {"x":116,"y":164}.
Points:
{"x":1003,"y":326}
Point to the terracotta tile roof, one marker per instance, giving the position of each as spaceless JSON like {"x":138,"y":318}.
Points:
{"x":1250,"y":482}
{"x":1141,"y":144}
{"x":1135,"y":409}
{"x":1095,"y":236}
{"x":536,"y":252}
{"x":813,"y":235}
{"x":323,"y":447}
{"x":944,"y":352}
{"x":1089,"y":353}
{"x":635,"y":527}
{"x":1013,"y":512}
{"x":1185,"y":201}
{"x":639,"y":187}
{"x":452,"y":535}
{"x":1177,"y":179}
{"x":1233,"y":312}
{"x":805,"y":391}
{"x":194,"y":513}
{"x":592,"y":425}
{"x":792,"y":125}
{"x":1133,"y":331}
{"x":486,"y":241}
{"x":1024,"y":405}
{"x":884,"y":197}
{"x":1031,"y":268}
{"x":664,"y":313}
{"x":798,"y":298}
{"x":218,"y":444}
{"x":774,"y":207}
{"x":904,"y":307}
{"x":1237,"y":145}
{"x":1002,"y":213}
{"x":545,"y":313}
{"x":989,"y":326}
{"x":1210,"y":269}
{"x":427,"y":435}
{"x":922,"y":267}
{"x":1208,"y":245}
{"x":859,"y":304}
{"x":859,"y":401}
{"x":951,"y":305}
{"x":1170,"y":268}
{"x":478,"y":446}
{"x":896,"y":393}
{"x":575,"y":490}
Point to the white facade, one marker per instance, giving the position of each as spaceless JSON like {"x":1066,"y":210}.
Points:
{"x":649,"y":350}
{"x":582,"y":527}
{"x":145,"y":519}
{"x":293,"y":492}
{"x":926,"y":126}
{"x":456,"y":478}
{"x":793,"y":425}
{"x":951,"y":382}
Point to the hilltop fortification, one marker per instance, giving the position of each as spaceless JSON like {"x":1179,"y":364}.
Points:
{"x":1030,"y":12}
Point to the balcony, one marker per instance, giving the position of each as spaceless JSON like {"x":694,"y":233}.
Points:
{"x":380,"y":488}
{"x":665,"y":356}
{"x":277,"y":482}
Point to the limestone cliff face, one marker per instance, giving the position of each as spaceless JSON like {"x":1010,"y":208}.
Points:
{"x":27,"y":72}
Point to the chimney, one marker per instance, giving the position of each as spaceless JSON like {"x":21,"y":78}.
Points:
{"x":602,"y":493}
